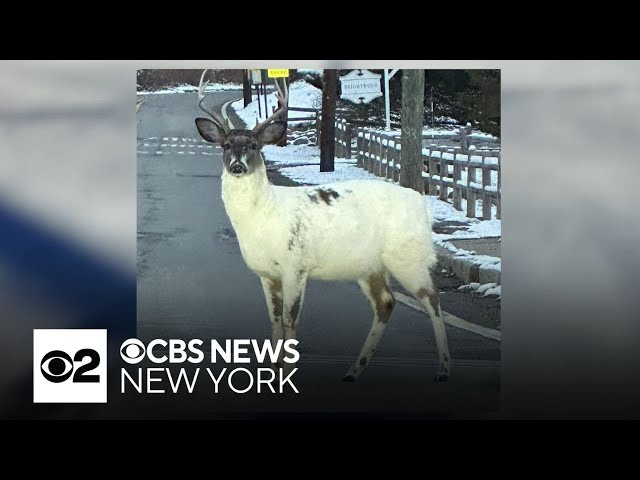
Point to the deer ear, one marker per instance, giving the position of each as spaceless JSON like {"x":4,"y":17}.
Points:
{"x":209,"y":130}
{"x":273,"y":132}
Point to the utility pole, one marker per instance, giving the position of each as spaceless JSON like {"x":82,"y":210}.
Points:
{"x":246,"y":87}
{"x":412,"y":123}
{"x":328,"y":125}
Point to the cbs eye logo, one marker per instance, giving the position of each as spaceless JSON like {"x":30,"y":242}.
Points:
{"x":56,"y":366}
{"x":132,"y":351}
{"x":69,"y":366}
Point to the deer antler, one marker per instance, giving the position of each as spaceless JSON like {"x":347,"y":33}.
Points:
{"x":283,"y":102}
{"x":217,"y":118}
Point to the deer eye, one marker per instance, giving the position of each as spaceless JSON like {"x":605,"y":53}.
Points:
{"x":226,"y":146}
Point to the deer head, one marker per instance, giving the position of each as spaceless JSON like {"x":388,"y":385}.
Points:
{"x":241,"y":148}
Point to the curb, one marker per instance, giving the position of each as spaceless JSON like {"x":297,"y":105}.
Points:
{"x":466,"y":269}
{"x":231,"y":116}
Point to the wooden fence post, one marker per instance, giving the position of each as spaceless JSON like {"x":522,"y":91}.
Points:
{"x":471,"y":196}
{"x":360,"y":147}
{"x":457,"y":176}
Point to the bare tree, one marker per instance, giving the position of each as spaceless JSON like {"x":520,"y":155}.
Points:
{"x":328,"y":125}
{"x":412,"y":123}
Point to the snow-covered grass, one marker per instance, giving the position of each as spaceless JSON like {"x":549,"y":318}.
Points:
{"x":310,"y":174}
{"x":485,"y":289}
{"x":301,"y":94}
{"x":450,"y":130}
{"x":296,"y":154}
{"x":212,"y":87}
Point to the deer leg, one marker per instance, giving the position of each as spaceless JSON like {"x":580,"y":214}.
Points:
{"x":273,"y":295}
{"x":382,"y":302}
{"x":430,"y":300}
{"x":293,"y":289}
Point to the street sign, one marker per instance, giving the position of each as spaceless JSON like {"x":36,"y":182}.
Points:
{"x":360,"y":86}
{"x":278,"y":72}
{"x":256,"y":77}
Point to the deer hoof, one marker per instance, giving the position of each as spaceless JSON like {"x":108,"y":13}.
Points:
{"x":441,"y":377}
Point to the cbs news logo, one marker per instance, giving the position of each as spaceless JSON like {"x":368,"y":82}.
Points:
{"x":69,"y":366}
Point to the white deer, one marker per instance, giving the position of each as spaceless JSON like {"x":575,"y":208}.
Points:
{"x":338,"y":231}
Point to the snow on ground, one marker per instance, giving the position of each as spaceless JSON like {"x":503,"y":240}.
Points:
{"x":295,"y":154}
{"x":444,"y":211}
{"x":440,"y":131}
{"x":486,"y":289}
{"x":212,"y":87}
{"x":301,"y":94}
{"x":311,"y":71}
{"x":486,"y":228}
{"x":311,"y":174}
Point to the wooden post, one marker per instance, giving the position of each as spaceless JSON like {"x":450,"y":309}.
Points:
{"x":397,"y":161}
{"x":348,"y":138}
{"x":380,"y":149}
{"x":329,"y":99}
{"x":499,"y":195}
{"x":412,"y":123}
{"x":486,"y":196}
{"x":471,"y":196}
{"x":457,"y":176}
{"x":359,"y":147}
{"x":372,"y":156}
{"x":246,"y":88}
{"x":366,"y":147}
{"x":318,"y":129}
{"x":432,"y":172}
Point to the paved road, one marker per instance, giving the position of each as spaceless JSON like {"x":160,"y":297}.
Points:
{"x":193,"y":283}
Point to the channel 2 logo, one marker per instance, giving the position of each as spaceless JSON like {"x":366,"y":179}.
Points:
{"x":69,"y":366}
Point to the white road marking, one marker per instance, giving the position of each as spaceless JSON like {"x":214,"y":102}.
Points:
{"x":451,"y":319}
{"x":224,"y":112}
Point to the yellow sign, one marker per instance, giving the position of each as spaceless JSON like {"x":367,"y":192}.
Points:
{"x":278,"y":72}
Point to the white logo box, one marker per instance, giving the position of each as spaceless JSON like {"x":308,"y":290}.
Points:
{"x":68,"y":385}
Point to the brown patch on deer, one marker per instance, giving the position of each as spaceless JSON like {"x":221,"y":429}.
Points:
{"x":326,"y":195}
{"x":275,"y":287}
{"x":435,"y":302}
{"x":296,"y":232}
{"x":432,"y":295}
{"x":295,"y":310}
{"x":383,"y":298}
{"x":422,"y":293}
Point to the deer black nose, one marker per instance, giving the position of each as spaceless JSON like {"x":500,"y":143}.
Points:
{"x":238,"y":168}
